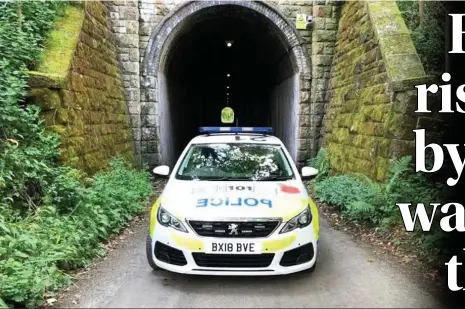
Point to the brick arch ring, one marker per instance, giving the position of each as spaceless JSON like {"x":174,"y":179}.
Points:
{"x":163,"y":34}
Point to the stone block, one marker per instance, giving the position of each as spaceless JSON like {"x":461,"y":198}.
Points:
{"x":406,"y":66}
{"x":400,"y":148}
{"x":132,"y":27}
{"x":304,"y":132}
{"x":324,"y":35}
{"x":322,"y":60}
{"x":149,"y":121}
{"x":322,"y":10}
{"x":124,"y":57}
{"x":136,"y":133}
{"x":304,"y":96}
{"x":304,"y":109}
{"x":46,"y":99}
{"x":129,"y":13}
{"x":149,"y":134}
{"x":319,"y":24}
{"x":127,"y":40}
{"x":130,"y":67}
{"x":134,"y":55}
{"x":135,"y":121}
{"x":331,"y":24}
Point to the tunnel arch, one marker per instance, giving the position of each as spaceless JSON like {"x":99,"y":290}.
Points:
{"x":291,"y":75}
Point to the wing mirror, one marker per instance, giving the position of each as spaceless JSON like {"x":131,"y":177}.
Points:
{"x":162,"y":171}
{"x":308,"y":172}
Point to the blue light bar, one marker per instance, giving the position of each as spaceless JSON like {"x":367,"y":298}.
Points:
{"x":235,"y":129}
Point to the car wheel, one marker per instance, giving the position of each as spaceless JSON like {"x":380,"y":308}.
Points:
{"x":149,"y":250}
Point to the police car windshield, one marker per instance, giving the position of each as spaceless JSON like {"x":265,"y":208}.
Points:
{"x":234,"y":161}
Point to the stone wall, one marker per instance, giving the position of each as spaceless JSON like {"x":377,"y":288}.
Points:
{"x":79,"y":89}
{"x":371,"y":96}
{"x":124,"y":16}
{"x":356,"y":94}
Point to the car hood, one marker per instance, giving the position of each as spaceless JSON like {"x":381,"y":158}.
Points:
{"x":216,"y":199}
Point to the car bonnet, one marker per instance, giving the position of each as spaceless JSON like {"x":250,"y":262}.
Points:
{"x":208,"y":200}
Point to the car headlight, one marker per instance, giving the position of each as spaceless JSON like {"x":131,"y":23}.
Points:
{"x":300,"y":221}
{"x":168,"y":220}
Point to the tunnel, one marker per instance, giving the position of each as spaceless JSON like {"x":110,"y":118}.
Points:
{"x":226,"y":55}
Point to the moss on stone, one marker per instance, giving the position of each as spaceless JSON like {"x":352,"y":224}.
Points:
{"x":397,"y":44}
{"x":46,"y":80}
{"x":77,"y":84}
{"x":404,"y":66}
{"x":399,"y":54}
{"x":45,"y":98}
{"x":386,"y":18}
{"x":60,"y":130}
{"x":61,"y":43}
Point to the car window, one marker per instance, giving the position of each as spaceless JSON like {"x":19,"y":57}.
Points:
{"x":235,"y":161}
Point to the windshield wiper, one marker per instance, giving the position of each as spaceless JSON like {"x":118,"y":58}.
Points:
{"x":271,"y":178}
{"x":230,"y":179}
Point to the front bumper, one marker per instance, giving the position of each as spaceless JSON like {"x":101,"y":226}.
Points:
{"x":280,"y":253}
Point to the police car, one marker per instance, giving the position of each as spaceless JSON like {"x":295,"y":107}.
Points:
{"x":234,"y":204}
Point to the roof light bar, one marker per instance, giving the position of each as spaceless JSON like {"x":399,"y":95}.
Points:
{"x":235,"y":129}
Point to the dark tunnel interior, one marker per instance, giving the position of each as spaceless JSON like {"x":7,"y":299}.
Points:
{"x":255,"y":76}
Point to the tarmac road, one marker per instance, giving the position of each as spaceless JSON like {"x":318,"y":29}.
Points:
{"x":345,"y":277}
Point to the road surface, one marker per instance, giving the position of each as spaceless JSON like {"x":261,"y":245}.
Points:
{"x":347,"y":276}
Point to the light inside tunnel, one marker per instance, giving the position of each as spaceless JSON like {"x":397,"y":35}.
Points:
{"x":259,"y":74}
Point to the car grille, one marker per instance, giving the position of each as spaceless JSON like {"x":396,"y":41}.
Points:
{"x":297,"y":256}
{"x":169,"y":255}
{"x":245,"y":229}
{"x":233,"y":260}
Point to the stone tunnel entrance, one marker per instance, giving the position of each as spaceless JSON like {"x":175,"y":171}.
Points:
{"x":195,"y":73}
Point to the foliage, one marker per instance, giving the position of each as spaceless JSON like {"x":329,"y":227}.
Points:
{"x":242,"y":161}
{"x":52,"y":218}
{"x":427,"y":32}
{"x":35,"y":251}
{"x":27,"y":151}
{"x":321,"y":163}
{"x":364,"y":200}
{"x":361,"y":198}
{"x":341,"y":191}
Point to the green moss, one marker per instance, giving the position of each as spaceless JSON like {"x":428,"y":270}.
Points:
{"x":399,"y":54}
{"x":62,"y":116}
{"x":404,"y":66}
{"x":46,"y":99}
{"x":46,"y":80}
{"x":67,"y":98}
{"x":382,"y":168}
{"x":397,"y":44}
{"x":61,"y":43}
{"x":379,"y":112}
{"x":386,"y":18}
{"x":58,"y":129}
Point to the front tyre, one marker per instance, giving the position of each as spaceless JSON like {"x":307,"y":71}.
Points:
{"x":149,"y":252}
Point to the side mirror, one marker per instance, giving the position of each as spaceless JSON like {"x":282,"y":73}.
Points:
{"x":308,"y":172}
{"x":162,"y":171}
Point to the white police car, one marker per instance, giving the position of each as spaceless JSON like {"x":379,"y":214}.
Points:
{"x":234,"y":204}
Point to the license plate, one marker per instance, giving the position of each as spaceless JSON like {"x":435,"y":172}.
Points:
{"x":220,"y":247}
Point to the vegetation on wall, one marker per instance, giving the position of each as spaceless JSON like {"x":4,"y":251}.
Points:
{"x":52,"y":217}
{"x":362,"y":200}
{"x":427,"y":31}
